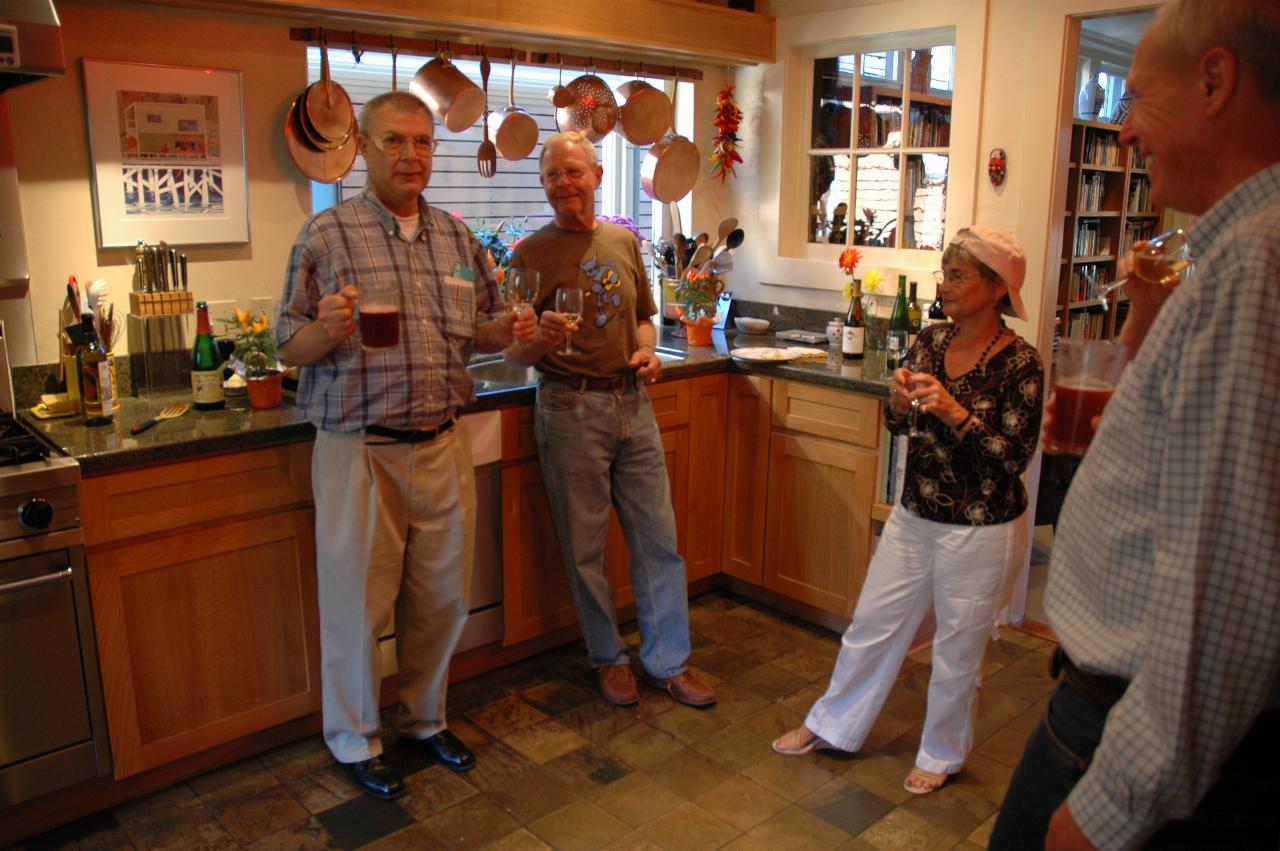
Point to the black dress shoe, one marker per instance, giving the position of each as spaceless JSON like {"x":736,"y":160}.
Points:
{"x":374,"y":777}
{"x":448,"y":750}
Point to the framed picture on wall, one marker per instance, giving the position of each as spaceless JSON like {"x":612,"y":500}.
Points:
{"x":168,"y":154}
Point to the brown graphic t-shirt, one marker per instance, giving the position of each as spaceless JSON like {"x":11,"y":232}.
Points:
{"x":607,"y":266}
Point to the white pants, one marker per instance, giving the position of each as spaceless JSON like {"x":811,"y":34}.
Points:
{"x":395,"y":528}
{"x":957,"y":569}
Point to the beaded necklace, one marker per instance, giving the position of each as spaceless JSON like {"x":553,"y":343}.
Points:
{"x":981,"y":363}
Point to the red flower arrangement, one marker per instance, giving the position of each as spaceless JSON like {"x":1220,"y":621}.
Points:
{"x":724,"y":150}
{"x":849,"y":260}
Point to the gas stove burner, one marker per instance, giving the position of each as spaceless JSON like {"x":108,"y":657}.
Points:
{"x":18,"y":445}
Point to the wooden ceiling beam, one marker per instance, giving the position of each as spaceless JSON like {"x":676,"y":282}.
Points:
{"x":655,"y":30}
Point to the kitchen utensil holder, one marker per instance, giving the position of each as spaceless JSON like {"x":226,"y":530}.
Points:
{"x":159,"y":351}
{"x":170,"y":303}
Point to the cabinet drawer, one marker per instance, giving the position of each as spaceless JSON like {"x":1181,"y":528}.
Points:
{"x":140,"y":502}
{"x":838,"y":414}
{"x":670,"y":403}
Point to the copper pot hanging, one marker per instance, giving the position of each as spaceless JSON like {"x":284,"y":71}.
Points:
{"x":670,"y":168}
{"x":594,"y":110}
{"x":456,"y":101}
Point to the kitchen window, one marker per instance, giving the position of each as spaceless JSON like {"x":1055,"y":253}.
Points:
{"x":514,"y":195}
{"x":878,"y":153}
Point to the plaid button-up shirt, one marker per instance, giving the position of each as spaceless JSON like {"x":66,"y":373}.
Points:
{"x":446,"y":286}
{"x":1166,"y":566}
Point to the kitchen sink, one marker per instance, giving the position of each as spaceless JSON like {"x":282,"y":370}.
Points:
{"x":667,"y":355}
{"x":498,"y":374}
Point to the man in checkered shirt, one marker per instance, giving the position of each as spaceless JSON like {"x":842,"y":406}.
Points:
{"x":1164,"y":587}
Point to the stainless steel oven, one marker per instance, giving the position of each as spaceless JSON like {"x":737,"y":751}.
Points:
{"x":53,"y":730}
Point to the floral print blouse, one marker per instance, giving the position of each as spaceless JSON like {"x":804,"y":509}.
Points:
{"x":975,"y":480}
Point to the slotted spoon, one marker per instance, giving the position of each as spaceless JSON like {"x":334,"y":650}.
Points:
{"x":487,"y":155}
{"x":168,"y":413}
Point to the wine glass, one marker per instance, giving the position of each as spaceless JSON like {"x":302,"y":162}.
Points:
{"x":569,"y":302}
{"x":913,"y":425}
{"x":1165,"y":259}
{"x":519,"y":288}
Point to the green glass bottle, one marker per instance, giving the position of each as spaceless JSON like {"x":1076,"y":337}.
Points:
{"x":915,"y":315}
{"x":206,"y":365}
{"x":898,"y":339}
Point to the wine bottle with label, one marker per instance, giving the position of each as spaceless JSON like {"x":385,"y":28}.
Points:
{"x":897,"y":340}
{"x":936,"y":313}
{"x":853,"y":340}
{"x":94,"y":374}
{"x":206,"y":365}
{"x":914,"y":316}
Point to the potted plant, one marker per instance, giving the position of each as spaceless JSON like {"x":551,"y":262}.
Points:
{"x":256,"y":350}
{"x":698,"y":291}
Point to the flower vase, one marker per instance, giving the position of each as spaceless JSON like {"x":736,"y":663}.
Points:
{"x":266,"y":391}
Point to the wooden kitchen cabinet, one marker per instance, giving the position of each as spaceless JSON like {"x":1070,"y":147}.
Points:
{"x":746,"y":476}
{"x":821,"y":482}
{"x":207,"y":621}
{"x":702,"y":531}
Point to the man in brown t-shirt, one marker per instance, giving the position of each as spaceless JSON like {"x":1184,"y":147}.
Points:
{"x":598,"y":440}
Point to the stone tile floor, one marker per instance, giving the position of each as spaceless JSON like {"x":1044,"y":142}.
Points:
{"x":559,"y":768}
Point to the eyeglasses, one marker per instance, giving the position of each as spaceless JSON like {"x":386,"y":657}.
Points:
{"x":393,"y":145}
{"x":554,"y":175}
{"x":954,"y":276}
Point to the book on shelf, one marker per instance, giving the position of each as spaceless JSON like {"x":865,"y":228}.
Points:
{"x":1090,"y":241}
{"x":1092,"y":190}
{"x":1086,"y":325}
{"x":1139,"y":194}
{"x":1087,"y":281}
{"x":1136,"y":231}
{"x":1101,"y":147}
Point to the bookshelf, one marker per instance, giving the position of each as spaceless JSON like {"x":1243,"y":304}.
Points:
{"x":1108,"y":209}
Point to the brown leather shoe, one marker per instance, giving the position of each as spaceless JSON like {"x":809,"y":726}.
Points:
{"x":684,"y":687}
{"x":618,"y":684}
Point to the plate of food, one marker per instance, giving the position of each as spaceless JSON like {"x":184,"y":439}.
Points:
{"x":765,"y":354}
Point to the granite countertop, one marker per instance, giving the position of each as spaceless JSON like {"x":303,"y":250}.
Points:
{"x":111,"y":448}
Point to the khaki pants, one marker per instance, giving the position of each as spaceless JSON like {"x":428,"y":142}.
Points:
{"x":395,"y":527}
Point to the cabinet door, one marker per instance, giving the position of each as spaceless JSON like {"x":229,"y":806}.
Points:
{"x":746,"y":476}
{"x":704,"y":517}
{"x":536,"y":597}
{"x":819,"y":520}
{"x":206,"y":636}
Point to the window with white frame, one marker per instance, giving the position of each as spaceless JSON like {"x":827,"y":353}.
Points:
{"x":514,"y":195}
{"x":878,"y":156}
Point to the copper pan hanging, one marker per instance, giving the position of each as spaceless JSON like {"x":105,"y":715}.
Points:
{"x":324,"y":166}
{"x":645,"y":113}
{"x":515,"y":131}
{"x":594,"y":110}
{"x":326,"y":106}
{"x":670,"y":168}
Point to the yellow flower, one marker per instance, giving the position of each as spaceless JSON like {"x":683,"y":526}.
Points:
{"x":243,"y":318}
{"x":262,"y":323}
{"x":848,"y":289}
{"x":871,"y":281}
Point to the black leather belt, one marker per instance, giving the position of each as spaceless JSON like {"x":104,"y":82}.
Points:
{"x":1099,"y":689}
{"x":412,"y":435}
{"x":584,"y":382}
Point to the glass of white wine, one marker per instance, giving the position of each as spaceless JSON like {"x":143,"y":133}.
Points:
{"x":519,"y":288}
{"x":569,"y":302}
{"x":1165,"y":260}
{"x":913,"y":427}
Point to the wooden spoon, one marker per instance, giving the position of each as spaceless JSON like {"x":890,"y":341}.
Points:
{"x":487,"y":155}
{"x":726,"y":227}
{"x":166,"y":414}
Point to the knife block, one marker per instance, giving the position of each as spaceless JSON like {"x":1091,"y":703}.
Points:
{"x":159,"y":352}
{"x":171,"y":303}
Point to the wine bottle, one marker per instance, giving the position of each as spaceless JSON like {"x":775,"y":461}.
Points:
{"x":936,"y":313}
{"x":93,"y":368}
{"x":853,"y":340}
{"x":206,"y":365}
{"x":914,"y":315}
{"x":899,"y":328}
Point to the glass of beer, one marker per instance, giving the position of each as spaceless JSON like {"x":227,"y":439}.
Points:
{"x":379,"y":314}
{"x":1085,"y":377}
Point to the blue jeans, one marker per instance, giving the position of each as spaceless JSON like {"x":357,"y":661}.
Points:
{"x":1237,"y":811}
{"x":599,"y":448}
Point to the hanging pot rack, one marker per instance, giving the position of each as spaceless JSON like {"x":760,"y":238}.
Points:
{"x":358,"y":41}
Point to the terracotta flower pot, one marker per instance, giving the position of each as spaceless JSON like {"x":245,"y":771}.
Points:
{"x":266,"y":391}
{"x":698,"y":333}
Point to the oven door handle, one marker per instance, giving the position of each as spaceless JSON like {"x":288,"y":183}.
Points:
{"x":62,"y":575}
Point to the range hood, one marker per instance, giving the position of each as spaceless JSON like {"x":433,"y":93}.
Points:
{"x":30,"y":42}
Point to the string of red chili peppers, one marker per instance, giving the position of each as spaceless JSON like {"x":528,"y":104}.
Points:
{"x":724,"y":150}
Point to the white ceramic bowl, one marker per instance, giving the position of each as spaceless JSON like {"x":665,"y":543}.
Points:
{"x":750,"y":325}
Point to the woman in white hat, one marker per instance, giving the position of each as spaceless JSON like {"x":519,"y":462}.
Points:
{"x":949,"y":541}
